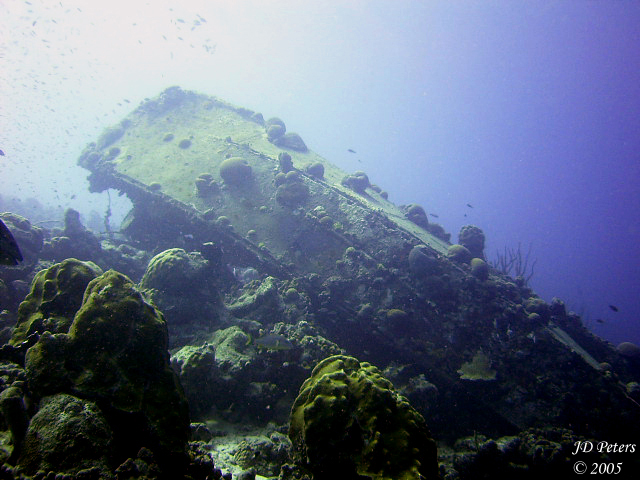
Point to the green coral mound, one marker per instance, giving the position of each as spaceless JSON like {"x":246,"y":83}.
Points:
{"x":235,"y":171}
{"x":116,"y":354}
{"x":66,"y":434}
{"x":349,"y":422}
{"x":55,"y":296}
{"x":174,"y":270}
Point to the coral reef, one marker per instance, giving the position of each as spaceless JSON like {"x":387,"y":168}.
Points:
{"x":348,"y":422}
{"x":417,"y":215}
{"x":115,"y":355}
{"x":184,"y":286}
{"x":206,"y":185}
{"x":67,"y":434}
{"x":422,"y":261}
{"x":315,"y":170}
{"x":285,"y":162}
{"x":472,"y":238}
{"x":29,"y":237}
{"x":358,"y":182}
{"x":292,"y":141}
{"x":260,"y":276}
{"x":459,"y":253}
{"x":479,"y":268}
{"x":479,"y":368}
{"x":293,"y":191}
{"x":235,"y":171}
{"x":55,"y":296}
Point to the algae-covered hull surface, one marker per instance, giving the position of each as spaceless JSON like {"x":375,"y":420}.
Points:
{"x":177,"y":149}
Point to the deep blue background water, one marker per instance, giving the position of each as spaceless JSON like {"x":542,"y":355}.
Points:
{"x":529,"y":111}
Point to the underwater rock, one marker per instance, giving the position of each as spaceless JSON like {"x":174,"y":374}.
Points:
{"x":275,"y":121}
{"x":206,"y":185}
{"x":459,"y":254}
{"x":235,"y":171}
{"x":73,"y":241}
{"x":421,"y":393}
{"x":274,"y":132}
{"x":537,"y":305}
{"x":310,"y":343}
{"x":292,"y":141}
{"x":230,"y":345}
{"x":629,"y":350}
{"x":256,"y":298}
{"x":238,"y":371}
{"x":292,"y":194}
{"x":285,"y":162}
{"x":67,"y":435}
{"x":479,"y":268}
{"x":176,"y":270}
{"x":358,"y":182}
{"x":557,"y":308}
{"x":279,"y":179}
{"x":115,"y":354}
{"x":293,"y":177}
{"x":438,"y":231}
{"x":417,"y":215}
{"x":181,"y":285}
{"x":55,"y":296}
{"x":257,"y":118}
{"x":348,"y":421}
{"x":29,"y":237}
{"x":13,"y":413}
{"x":264,"y":454}
{"x":422,"y":261}
{"x":533,"y":453}
{"x":196,"y":368}
{"x":472,"y":238}
{"x":315,"y":170}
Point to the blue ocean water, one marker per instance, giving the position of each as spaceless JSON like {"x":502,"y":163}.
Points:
{"x":526,"y":111}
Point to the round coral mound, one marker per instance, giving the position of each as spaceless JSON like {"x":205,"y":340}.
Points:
{"x":472,"y":238}
{"x":349,"y":422}
{"x":235,"y":171}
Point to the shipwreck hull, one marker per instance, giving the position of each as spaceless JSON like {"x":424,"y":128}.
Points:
{"x":200,"y":171}
{"x":146,"y":156}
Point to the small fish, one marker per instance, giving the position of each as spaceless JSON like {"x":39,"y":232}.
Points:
{"x":350,"y":150}
{"x":244,"y":275}
{"x":9,"y":251}
{"x":613,"y":307}
{"x":469,"y":205}
{"x":434,"y":215}
{"x":599,"y":320}
{"x":273,"y":342}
